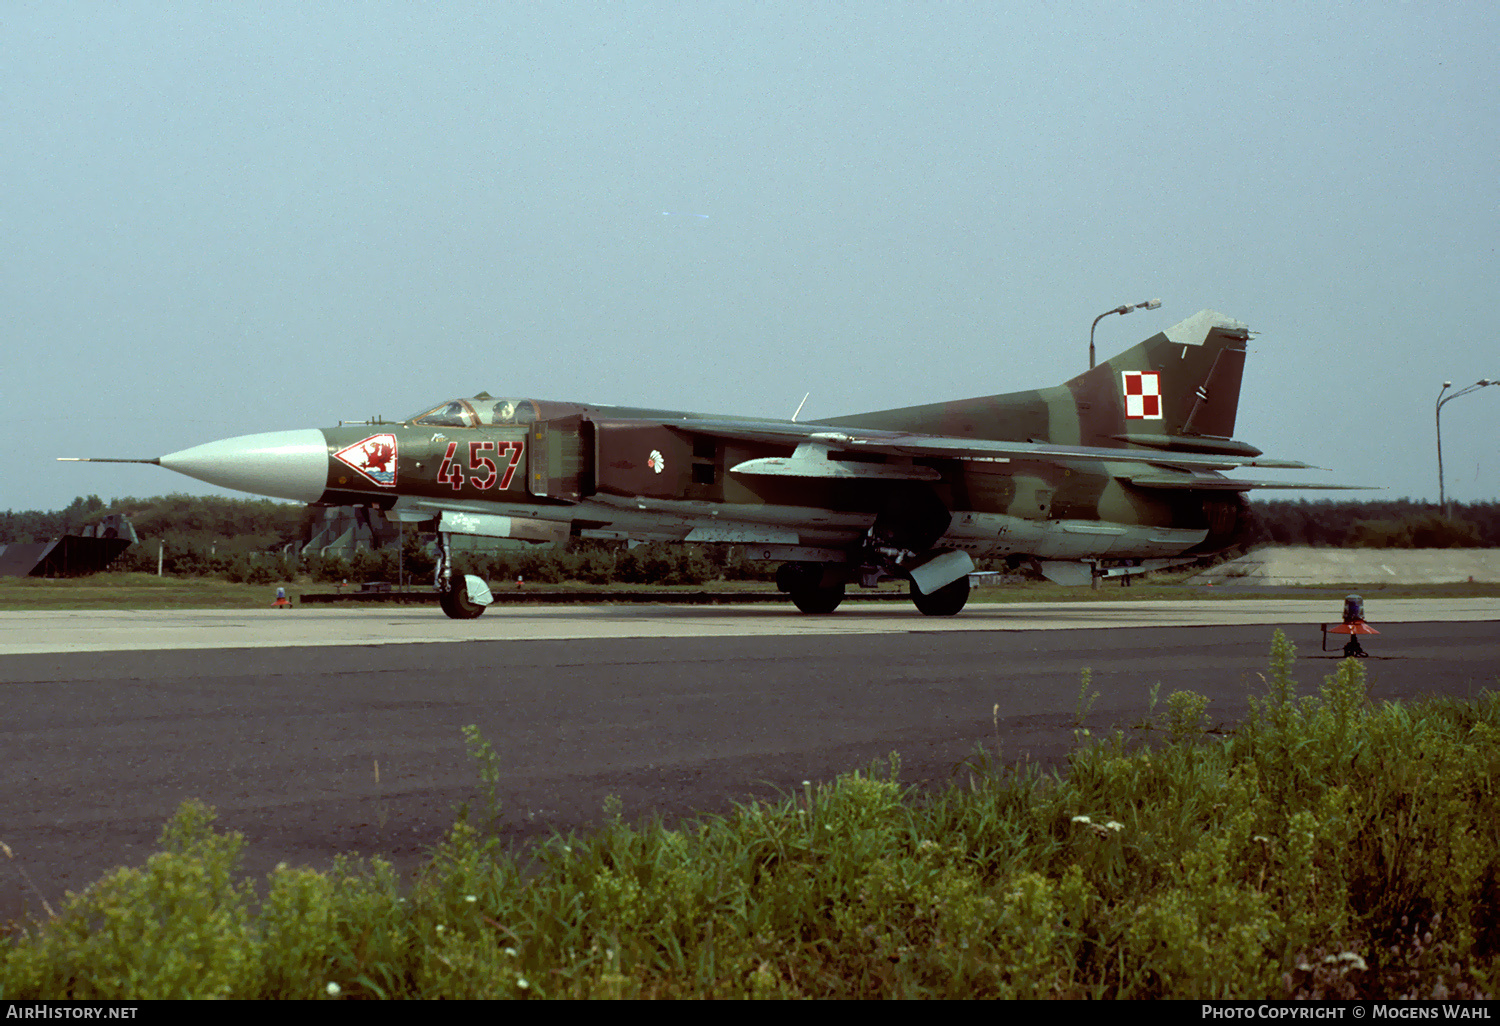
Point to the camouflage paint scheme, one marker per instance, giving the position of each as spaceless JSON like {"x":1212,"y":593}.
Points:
{"x":696,"y":467}
{"x":1119,"y":465}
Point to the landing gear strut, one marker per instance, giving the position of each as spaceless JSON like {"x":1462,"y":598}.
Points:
{"x":900,"y":544}
{"x":453,"y":590}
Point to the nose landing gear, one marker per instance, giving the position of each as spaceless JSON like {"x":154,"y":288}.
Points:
{"x":462,"y":597}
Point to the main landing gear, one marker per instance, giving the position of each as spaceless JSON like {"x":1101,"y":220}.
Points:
{"x":814,"y":587}
{"x":945,"y":601}
{"x":818,"y":588}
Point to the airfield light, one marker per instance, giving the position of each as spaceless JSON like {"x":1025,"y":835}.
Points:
{"x":1150,"y":304}
{"x":1441,"y":401}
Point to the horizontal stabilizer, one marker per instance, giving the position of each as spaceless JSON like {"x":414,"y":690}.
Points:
{"x":1305,"y":486}
{"x":1192,"y":482}
{"x":1216,"y":446}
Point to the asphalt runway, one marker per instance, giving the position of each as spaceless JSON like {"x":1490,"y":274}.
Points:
{"x":319,"y":734}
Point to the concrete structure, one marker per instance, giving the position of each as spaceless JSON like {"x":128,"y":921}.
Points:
{"x":86,"y":551}
{"x":1291,"y":565}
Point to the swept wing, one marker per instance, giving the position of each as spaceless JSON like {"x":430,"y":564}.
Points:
{"x":820,"y":445}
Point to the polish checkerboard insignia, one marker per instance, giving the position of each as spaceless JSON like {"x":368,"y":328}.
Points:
{"x":1142,"y":395}
{"x":374,"y":457}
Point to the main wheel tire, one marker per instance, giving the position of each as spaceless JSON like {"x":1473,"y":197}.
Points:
{"x":946,"y":601}
{"x":799,"y":576}
{"x":818,"y":600}
{"x":455,"y":602}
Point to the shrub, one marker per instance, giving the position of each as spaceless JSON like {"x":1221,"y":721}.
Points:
{"x":1329,"y":847}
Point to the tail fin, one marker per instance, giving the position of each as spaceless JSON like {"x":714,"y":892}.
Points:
{"x":1178,"y":390}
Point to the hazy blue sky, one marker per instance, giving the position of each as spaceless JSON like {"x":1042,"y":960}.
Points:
{"x":230,"y":218}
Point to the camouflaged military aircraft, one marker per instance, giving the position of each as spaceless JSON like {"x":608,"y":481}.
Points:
{"x":1116,"y":471}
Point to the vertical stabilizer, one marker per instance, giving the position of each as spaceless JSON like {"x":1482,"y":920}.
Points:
{"x":1179,"y":389}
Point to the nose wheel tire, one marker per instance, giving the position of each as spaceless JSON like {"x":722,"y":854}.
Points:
{"x":457,"y":604}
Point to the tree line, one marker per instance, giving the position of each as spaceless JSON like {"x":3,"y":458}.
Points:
{"x":206,"y":522}
{"x":255,"y":541}
{"x":1377,"y":524}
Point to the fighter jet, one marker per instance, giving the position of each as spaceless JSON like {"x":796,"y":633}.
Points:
{"x":1118,"y":470}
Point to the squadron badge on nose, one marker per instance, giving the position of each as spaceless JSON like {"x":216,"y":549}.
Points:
{"x":374,"y":457}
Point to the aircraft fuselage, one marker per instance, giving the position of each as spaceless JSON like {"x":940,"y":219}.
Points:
{"x":615,"y":474}
{"x":1119,"y":465}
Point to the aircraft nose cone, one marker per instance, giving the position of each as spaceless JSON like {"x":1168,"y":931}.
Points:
{"x":281,"y":464}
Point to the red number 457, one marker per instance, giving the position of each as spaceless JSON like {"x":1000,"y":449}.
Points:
{"x":483,"y":474}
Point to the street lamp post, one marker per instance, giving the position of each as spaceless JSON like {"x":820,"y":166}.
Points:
{"x":1441,"y":401}
{"x":1150,"y":304}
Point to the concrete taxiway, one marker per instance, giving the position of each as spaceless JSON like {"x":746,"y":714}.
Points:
{"x":329,"y":731}
{"x":159,"y":630}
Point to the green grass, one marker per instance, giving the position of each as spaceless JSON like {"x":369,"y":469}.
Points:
{"x":1329,"y":847}
{"x":132,"y":591}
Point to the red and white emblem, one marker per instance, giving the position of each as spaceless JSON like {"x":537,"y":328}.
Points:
{"x":374,"y":457}
{"x":656,"y":461}
{"x":1142,"y":395}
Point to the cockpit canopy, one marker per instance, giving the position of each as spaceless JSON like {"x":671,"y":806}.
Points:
{"x":480,"y":411}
